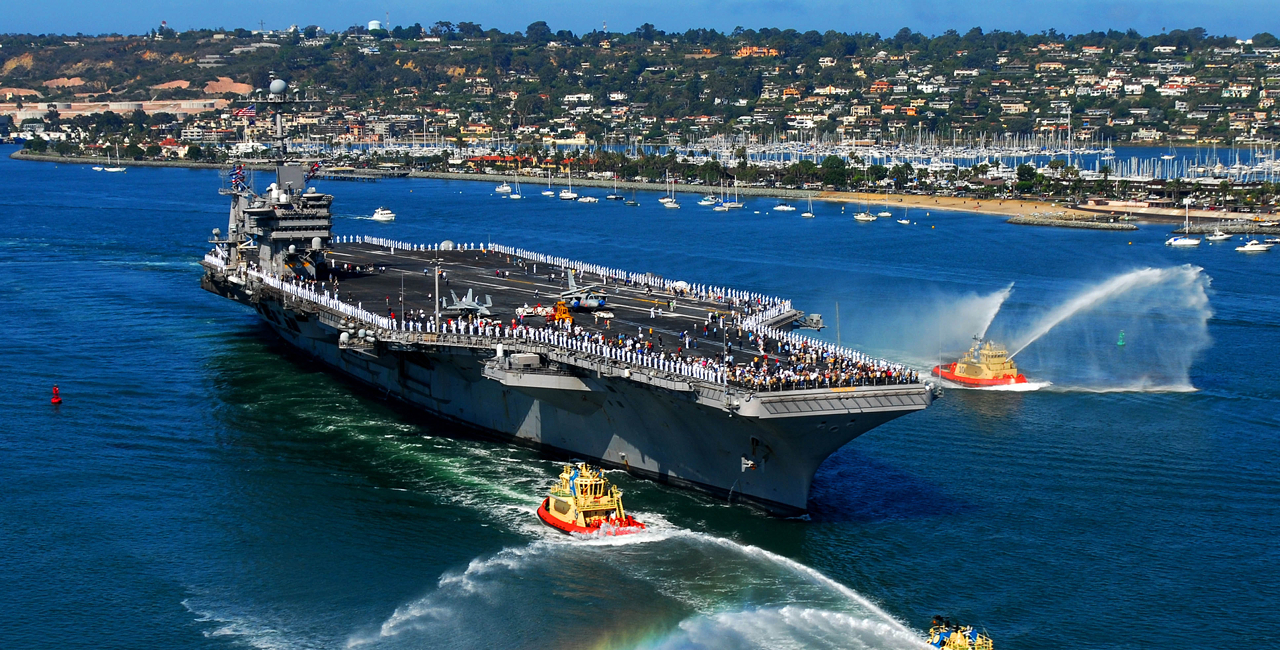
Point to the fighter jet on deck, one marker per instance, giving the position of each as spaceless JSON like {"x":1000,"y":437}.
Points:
{"x":468,"y":305}
{"x":588,"y":298}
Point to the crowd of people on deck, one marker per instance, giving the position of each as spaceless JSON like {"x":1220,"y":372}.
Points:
{"x":789,"y":367}
{"x":775,"y":364}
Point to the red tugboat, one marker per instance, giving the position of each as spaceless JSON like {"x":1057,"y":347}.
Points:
{"x":584,"y":502}
{"x":986,"y":364}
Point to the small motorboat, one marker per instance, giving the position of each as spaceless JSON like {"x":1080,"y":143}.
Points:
{"x":1254,"y":246}
{"x":904,"y":221}
{"x":784,"y":207}
{"x":1182,"y":241}
{"x":588,"y":199}
{"x":503,"y":189}
{"x":585,"y":503}
{"x":1218,"y":235}
{"x":383,"y":214}
{"x":708,"y":200}
{"x":886,"y":214}
{"x":97,"y":168}
{"x":720,"y":207}
{"x":568,"y":195}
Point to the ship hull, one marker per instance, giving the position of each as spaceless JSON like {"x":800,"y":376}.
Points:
{"x":665,"y":435}
{"x":948,"y":373}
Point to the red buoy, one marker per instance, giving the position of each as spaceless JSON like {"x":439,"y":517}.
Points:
{"x":57,"y":399}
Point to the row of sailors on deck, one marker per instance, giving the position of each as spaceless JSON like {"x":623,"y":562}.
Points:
{"x":805,"y":367}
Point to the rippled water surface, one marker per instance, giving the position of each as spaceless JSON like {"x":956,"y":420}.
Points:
{"x":200,"y":488}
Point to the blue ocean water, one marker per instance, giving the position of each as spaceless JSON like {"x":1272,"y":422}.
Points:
{"x":202,"y":488}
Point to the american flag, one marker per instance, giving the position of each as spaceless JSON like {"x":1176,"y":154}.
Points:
{"x":247,"y":111}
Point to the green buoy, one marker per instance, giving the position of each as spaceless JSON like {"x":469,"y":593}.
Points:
{"x":1120,"y":343}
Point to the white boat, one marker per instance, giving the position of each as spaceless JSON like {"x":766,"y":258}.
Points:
{"x":707,"y":200}
{"x":784,"y":207}
{"x":720,"y":208}
{"x":515,"y":194}
{"x":503,"y":189}
{"x":886,"y":214}
{"x":383,"y":214}
{"x":588,"y":199}
{"x":614,"y":196}
{"x":808,"y":214}
{"x":865,"y":217}
{"x":109,"y":167}
{"x":1254,"y":246}
{"x":735,"y":204}
{"x":1218,"y":235}
{"x":568,"y":194}
{"x":97,"y":168}
{"x":904,"y":221}
{"x":1183,"y":241}
{"x":669,"y":201}
{"x":548,"y":191}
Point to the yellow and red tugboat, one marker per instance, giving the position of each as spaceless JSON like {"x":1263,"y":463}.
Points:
{"x":584,"y":502}
{"x":948,"y":636}
{"x":986,"y":364}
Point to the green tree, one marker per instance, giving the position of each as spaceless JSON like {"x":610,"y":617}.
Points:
{"x":194,"y":152}
{"x":1026,"y":173}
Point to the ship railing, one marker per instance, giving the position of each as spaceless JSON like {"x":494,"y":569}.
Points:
{"x":215,"y":260}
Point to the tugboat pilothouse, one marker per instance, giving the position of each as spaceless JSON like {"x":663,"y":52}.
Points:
{"x":986,"y":364}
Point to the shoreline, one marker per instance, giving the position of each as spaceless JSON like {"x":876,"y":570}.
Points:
{"x":1047,"y":213}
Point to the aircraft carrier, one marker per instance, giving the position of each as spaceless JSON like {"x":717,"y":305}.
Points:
{"x":693,"y":385}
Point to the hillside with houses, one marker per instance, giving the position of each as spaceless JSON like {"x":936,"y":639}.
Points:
{"x":463,"y":83}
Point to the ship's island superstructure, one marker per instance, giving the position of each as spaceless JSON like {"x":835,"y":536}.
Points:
{"x":688,"y":384}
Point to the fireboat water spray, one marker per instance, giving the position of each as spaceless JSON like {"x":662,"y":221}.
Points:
{"x":1163,"y":314}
